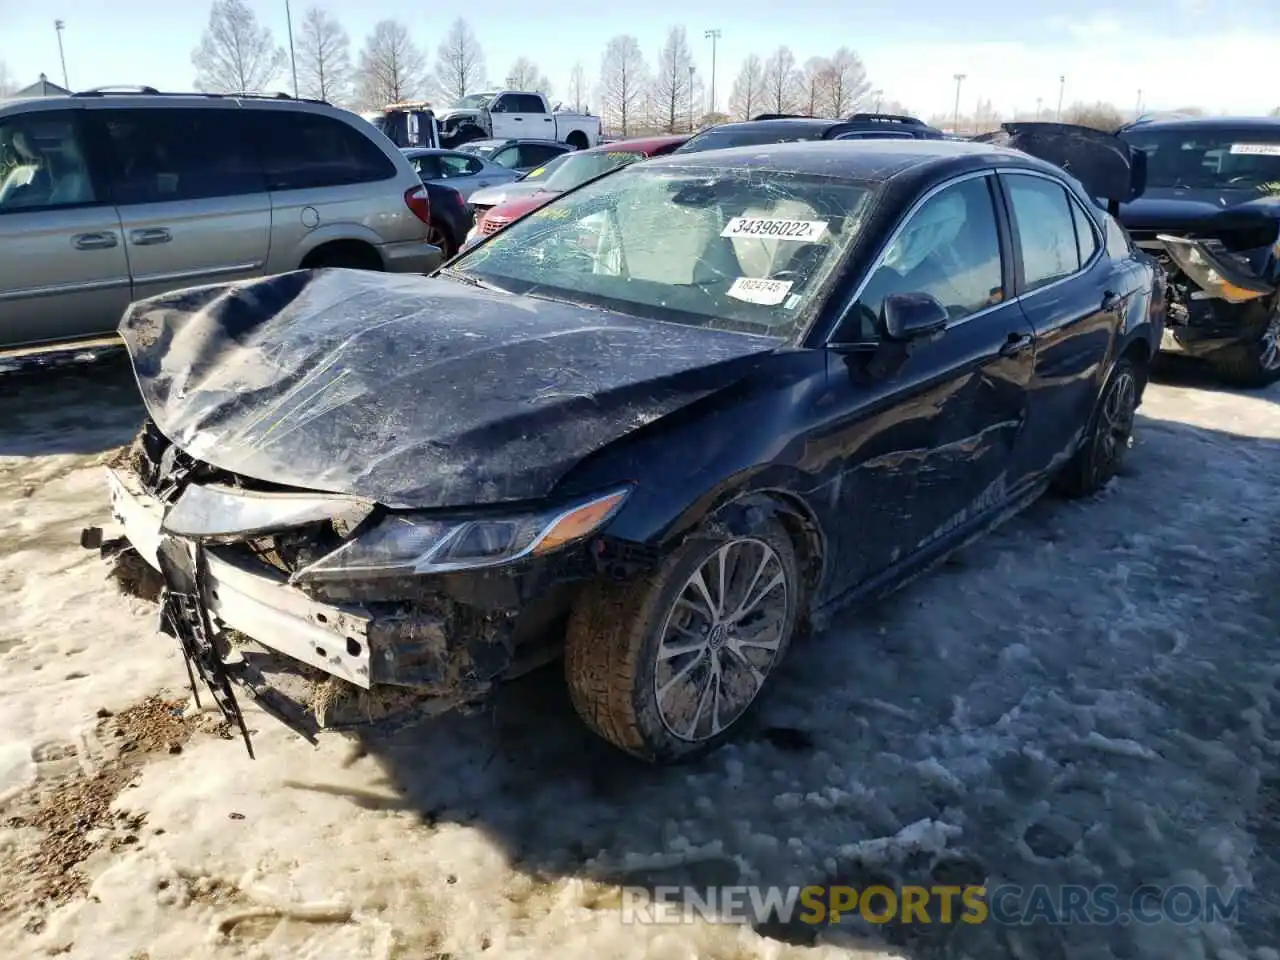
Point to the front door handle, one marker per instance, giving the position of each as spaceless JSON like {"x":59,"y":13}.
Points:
{"x":149,"y":236}
{"x":94,"y":241}
{"x":1016,"y":343}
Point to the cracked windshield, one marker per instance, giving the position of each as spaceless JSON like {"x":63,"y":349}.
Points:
{"x":719,"y":247}
{"x":678,"y":481}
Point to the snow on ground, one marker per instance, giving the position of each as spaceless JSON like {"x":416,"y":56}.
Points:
{"x":1090,"y":695}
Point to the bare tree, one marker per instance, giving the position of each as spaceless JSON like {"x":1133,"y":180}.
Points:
{"x":845,"y":84}
{"x":392,"y":68}
{"x":8,"y":85}
{"x":624,"y":81}
{"x":673,"y":85}
{"x":525,"y":75}
{"x":747,"y":96}
{"x":578,"y":87}
{"x":236,"y":54}
{"x":816,"y":70}
{"x":323,"y":51}
{"x":1100,"y":115}
{"x":987,"y":118}
{"x":459,"y":63}
{"x":782,"y":82}
{"x":1274,"y":113}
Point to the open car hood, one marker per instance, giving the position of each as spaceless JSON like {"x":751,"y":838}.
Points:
{"x":413,"y":392}
{"x":1108,"y":168}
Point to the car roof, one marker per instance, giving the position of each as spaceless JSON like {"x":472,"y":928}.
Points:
{"x":810,"y":125}
{"x":868,"y":160}
{"x":425,"y":151}
{"x":643,"y":145}
{"x":1261,"y":124}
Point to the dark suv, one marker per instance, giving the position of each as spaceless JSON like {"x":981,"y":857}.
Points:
{"x":783,"y":128}
{"x":1211,"y":212}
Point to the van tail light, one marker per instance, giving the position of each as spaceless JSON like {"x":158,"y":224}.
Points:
{"x":419,"y":201}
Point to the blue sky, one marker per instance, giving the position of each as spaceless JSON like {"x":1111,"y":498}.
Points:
{"x":1213,"y":53}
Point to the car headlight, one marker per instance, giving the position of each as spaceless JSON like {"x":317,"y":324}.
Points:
{"x":408,"y":544}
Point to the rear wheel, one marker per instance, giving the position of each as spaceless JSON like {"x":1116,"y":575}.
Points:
{"x":667,"y":666}
{"x":1255,"y":363}
{"x":438,"y":236}
{"x":1109,"y":436}
{"x":577,"y":140}
{"x":352,"y":255}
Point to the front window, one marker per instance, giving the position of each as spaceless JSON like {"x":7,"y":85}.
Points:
{"x":1217,"y":160}
{"x":474,"y":101}
{"x":578,"y":168}
{"x":734,"y":249}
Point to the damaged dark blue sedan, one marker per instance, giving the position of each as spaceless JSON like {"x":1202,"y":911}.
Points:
{"x":661,"y":425}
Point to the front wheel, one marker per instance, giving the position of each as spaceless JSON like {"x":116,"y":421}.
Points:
{"x":1109,"y":435}
{"x":666,"y":666}
{"x":1255,"y":363}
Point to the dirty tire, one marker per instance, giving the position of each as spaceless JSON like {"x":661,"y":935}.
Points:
{"x":349,"y":257}
{"x":616,"y":632}
{"x":1254,"y":364}
{"x":438,"y":236}
{"x":1098,"y":460}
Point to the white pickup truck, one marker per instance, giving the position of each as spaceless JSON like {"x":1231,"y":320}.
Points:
{"x":507,"y":114}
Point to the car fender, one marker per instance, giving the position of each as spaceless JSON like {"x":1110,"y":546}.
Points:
{"x":330,"y":232}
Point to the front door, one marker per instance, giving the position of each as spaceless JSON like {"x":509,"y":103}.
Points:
{"x":191,"y":193}
{"x":944,"y":423}
{"x":520,"y":115}
{"x":63,"y":271}
{"x":1072,"y":294}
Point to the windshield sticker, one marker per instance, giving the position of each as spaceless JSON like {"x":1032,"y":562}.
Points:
{"x":1257,"y":149}
{"x":550,"y":213}
{"x":537,"y":172}
{"x":772,"y":228}
{"x":753,"y":290}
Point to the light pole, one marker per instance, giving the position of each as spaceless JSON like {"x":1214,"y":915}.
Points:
{"x":691,"y":69}
{"x":59,"y":26}
{"x":1039,"y":100}
{"x":1137,"y":107}
{"x":293,"y":61}
{"x":1062,"y":85}
{"x":713,"y":36}
{"x":955,"y":118}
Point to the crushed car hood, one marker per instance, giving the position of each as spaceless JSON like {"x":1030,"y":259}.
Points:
{"x":410,"y":391}
{"x":1198,"y":209}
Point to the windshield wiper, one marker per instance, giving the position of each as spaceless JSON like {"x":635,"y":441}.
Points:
{"x":470,"y":280}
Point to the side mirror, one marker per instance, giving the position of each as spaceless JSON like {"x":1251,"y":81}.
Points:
{"x":912,"y":316}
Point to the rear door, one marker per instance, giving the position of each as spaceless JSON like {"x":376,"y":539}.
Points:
{"x":1074,"y":295}
{"x":191,"y":194}
{"x":63,"y":270}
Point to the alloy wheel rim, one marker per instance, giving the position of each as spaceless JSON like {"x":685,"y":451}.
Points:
{"x":1118,"y":410}
{"x":721,"y":639}
{"x":1269,"y":357}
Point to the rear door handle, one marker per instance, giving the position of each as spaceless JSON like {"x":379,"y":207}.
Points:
{"x":94,"y":241}
{"x":149,"y":236}
{"x":1016,"y":343}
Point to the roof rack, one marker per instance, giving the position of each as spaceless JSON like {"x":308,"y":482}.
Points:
{"x":782,"y":116}
{"x":889,"y":118}
{"x":128,"y":90}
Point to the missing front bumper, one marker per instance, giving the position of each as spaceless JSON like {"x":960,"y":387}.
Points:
{"x":384,"y":658}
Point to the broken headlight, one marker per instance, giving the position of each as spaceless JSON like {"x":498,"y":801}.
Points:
{"x":408,"y":544}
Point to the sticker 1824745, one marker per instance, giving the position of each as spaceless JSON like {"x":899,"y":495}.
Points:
{"x":770,"y":293}
{"x":774,"y":228}
{"x":1257,"y":149}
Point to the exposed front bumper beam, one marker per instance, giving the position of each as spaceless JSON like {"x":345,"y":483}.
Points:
{"x":257,"y":602}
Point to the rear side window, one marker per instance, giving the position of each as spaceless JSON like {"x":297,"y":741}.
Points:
{"x":1086,"y":235}
{"x":1118,"y":245}
{"x":1046,"y":228}
{"x":533,"y":154}
{"x":306,"y":150}
{"x":525,"y":103}
{"x":165,"y":155}
{"x":42,"y":163}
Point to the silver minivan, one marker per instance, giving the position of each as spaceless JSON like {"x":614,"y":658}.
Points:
{"x":109,"y":197}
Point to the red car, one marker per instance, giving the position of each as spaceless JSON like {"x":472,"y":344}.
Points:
{"x":577,"y":168}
